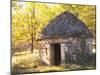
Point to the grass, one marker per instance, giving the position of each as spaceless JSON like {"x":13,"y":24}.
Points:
{"x":26,"y":62}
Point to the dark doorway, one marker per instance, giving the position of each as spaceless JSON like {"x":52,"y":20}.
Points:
{"x":57,"y":54}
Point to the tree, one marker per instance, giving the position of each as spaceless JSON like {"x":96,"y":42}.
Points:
{"x":29,"y":18}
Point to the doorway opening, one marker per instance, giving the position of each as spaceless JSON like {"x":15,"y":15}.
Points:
{"x":57,"y":54}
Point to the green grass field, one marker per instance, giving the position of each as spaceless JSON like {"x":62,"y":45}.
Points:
{"x":26,"y":62}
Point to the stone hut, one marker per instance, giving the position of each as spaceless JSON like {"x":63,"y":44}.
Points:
{"x":65,"y":39}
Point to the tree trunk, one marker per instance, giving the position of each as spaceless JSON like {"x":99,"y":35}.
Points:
{"x":32,"y":40}
{"x":32,"y":45}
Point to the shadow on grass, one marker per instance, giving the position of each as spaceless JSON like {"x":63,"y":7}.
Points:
{"x":46,"y":69}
